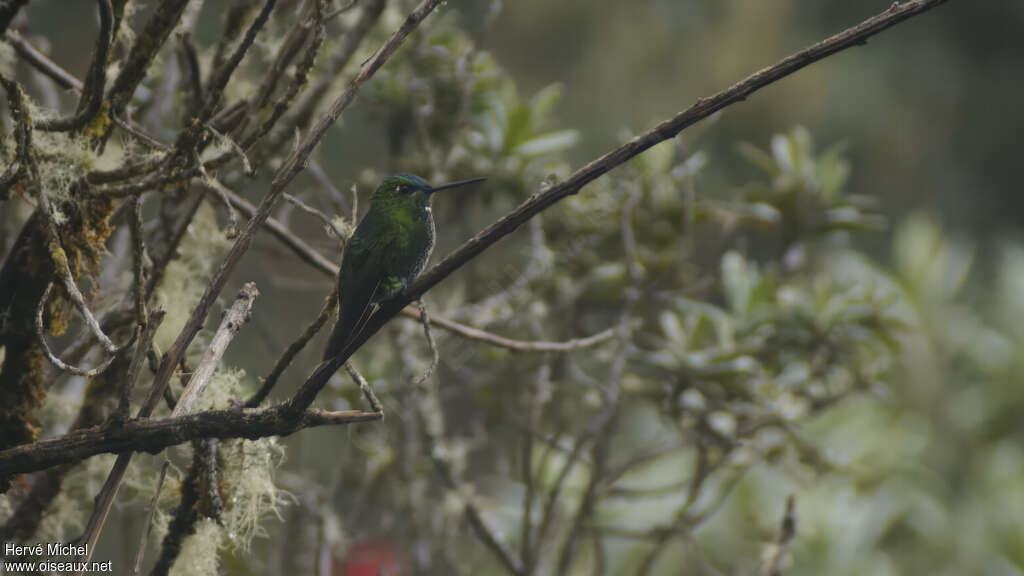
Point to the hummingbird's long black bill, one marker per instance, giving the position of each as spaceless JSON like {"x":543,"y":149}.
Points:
{"x":456,"y":184}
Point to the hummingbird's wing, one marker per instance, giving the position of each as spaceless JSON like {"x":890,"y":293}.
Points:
{"x":359,"y":284}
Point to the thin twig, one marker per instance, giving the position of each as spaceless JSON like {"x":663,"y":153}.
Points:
{"x":293,"y":350}
{"x":293,"y":41}
{"x":297,"y":245}
{"x":101,"y":506}
{"x":534,"y":407}
{"x":144,"y":537}
{"x":787,"y":531}
{"x":176,"y":214}
{"x":138,"y":261}
{"x":350,"y":42}
{"x":435,"y":356}
{"x":142,"y":347}
{"x":63,"y":271}
{"x":184,"y":517}
{"x":663,"y":535}
{"x":321,"y":177}
{"x":234,"y":21}
{"x":42,"y":62}
{"x":317,"y":213}
{"x":364,"y":386}
{"x":472,"y":333}
{"x":215,"y":186}
{"x":137,"y":133}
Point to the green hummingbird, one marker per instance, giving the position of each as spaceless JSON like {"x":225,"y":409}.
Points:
{"x":385,"y":254}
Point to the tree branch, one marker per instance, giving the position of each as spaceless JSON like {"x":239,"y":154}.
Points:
{"x":153,"y":435}
{"x":92,"y":100}
{"x":143,"y":51}
{"x":42,"y":62}
{"x":234,"y":318}
{"x":293,"y":350}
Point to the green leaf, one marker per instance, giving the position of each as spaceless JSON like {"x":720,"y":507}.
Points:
{"x":833,"y":171}
{"x":691,"y":167}
{"x":548,"y":143}
{"x":543,"y":103}
{"x":673,"y":329}
{"x":738,"y":280}
{"x":757,"y":158}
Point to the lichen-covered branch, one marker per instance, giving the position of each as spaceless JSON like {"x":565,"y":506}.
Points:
{"x":143,"y":51}
{"x":153,"y":435}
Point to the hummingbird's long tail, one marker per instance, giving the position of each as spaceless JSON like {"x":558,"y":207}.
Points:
{"x":336,"y":343}
{"x":345,"y":331}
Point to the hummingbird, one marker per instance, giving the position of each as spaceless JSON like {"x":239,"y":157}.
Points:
{"x":385,"y":254}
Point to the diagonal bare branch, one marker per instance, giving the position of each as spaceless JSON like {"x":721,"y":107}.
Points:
{"x":42,"y":62}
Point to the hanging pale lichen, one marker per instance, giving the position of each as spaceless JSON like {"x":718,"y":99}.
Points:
{"x":246,"y":470}
{"x":188,"y":275}
{"x":201,"y":552}
{"x":246,"y":485}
